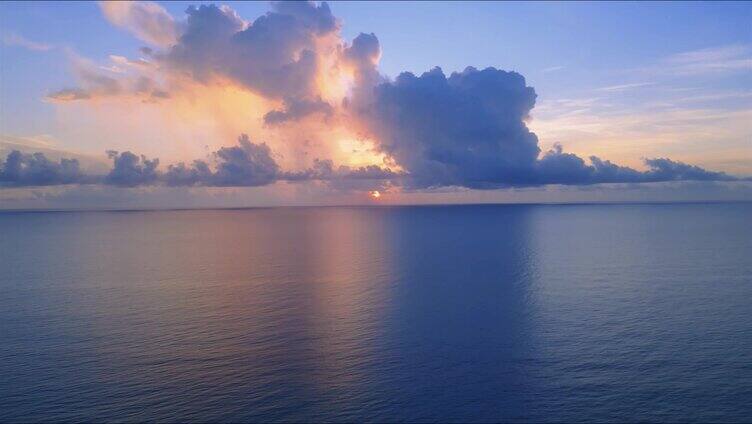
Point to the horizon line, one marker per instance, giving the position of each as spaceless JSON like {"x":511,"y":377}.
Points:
{"x":396,"y":205}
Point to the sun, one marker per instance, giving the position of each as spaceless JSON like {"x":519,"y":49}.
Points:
{"x":375,"y":194}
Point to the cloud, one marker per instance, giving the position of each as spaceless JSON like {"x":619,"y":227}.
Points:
{"x":130,"y":170}
{"x":126,"y":62}
{"x":624,"y":87}
{"x":734,"y":58}
{"x":295,"y":109}
{"x":551,"y":69}
{"x":709,"y":128}
{"x":245,"y":165}
{"x":13,"y":39}
{"x":250,"y":165}
{"x":115,"y":81}
{"x":465,"y":130}
{"x":469,"y":130}
{"x":325,"y":170}
{"x":19,"y":170}
{"x":557,"y":167}
{"x":663,"y":169}
{"x":148,"y":21}
{"x":68,"y":95}
{"x":289,"y":79}
{"x":363,"y":57}
{"x":49,"y":147}
{"x":94,"y":84}
{"x":276,"y":55}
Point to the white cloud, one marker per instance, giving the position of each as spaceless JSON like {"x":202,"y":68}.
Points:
{"x":723,"y":59}
{"x":13,"y":39}
{"x":552,"y":69}
{"x":624,"y":87}
{"x":148,"y":21}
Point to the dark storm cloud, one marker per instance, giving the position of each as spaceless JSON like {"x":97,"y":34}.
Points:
{"x":19,"y":169}
{"x":465,"y":130}
{"x":274,"y":55}
{"x":470,"y":130}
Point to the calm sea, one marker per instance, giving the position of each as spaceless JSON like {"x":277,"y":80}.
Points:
{"x":450,"y":313}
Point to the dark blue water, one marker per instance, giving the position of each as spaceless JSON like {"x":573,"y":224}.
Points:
{"x":454,"y":313}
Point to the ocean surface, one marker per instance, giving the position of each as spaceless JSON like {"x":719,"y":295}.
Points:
{"x":447,"y":313}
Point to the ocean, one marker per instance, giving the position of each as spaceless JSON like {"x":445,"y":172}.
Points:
{"x":530,"y":313}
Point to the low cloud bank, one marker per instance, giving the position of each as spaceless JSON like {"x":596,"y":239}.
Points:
{"x":252,"y":164}
{"x":245,"y":165}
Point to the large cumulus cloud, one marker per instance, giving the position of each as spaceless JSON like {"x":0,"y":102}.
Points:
{"x":469,"y":130}
{"x":465,"y":130}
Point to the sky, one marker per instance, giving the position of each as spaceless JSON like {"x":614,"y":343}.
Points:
{"x":181,"y":104}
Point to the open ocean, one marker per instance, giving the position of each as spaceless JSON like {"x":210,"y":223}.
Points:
{"x":430,"y":313}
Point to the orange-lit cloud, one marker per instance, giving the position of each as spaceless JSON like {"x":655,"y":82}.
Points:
{"x":192,"y":95}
